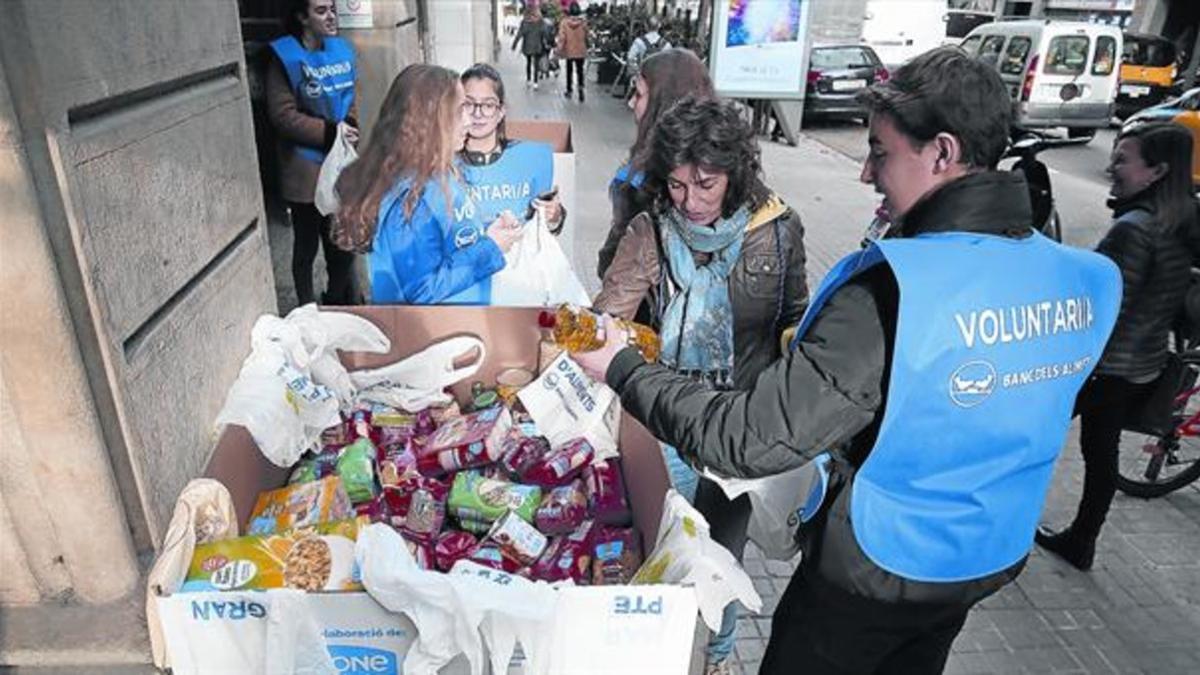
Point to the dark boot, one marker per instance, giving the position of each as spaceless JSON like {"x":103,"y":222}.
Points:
{"x":567,"y":94}
{"x":581,"y":94}
{"x":1078,"y":550}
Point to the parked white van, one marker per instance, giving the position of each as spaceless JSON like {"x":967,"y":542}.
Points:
{"x":1059,"y":74}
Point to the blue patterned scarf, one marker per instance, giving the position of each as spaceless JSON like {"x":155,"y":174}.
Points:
{"x":697,"y":326}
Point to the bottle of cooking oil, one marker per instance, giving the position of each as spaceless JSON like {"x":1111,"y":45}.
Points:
{"x":576,"y":330}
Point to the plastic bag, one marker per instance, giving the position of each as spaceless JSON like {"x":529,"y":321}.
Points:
{"x":685,"y":554}
{"x":341,"y":155}
{"x":419,"y":381}
{"x":537,"y":273}
{"x":566,"y":403}
{"x":777,"y":505}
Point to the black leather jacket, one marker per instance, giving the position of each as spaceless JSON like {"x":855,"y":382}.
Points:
{"x":1155,"y":270}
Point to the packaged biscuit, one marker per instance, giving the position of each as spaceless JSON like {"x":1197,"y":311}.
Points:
{"x":616,"y":556}
{"x":560,"y":465}
{"x":356,"y":467}
{"x":472,"y":496}
{"x":451,"y":547}
{"x":319,"y":558}
{"x":466,"y":442}
{"x":417,"y":506}
{"x":563,"y":509}
{"x":605,"y":488}
{"x":568,"y":557}
{"x":517,"y":539}
{"x":300,"y":505}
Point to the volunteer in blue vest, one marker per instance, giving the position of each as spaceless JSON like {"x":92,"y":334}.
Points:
{"x":665,"y":78}
{"x":310,"y":89}
{"x":405,"y":203}
{"x":931,"y":380}
{"x":503,"y":174}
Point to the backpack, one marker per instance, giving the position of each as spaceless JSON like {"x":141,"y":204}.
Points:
{"x":652,"y":49}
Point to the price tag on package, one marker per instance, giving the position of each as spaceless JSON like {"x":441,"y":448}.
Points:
{"x":624,"y":629}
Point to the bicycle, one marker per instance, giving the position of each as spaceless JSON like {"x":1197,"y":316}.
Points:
{"x":1156,"y":462}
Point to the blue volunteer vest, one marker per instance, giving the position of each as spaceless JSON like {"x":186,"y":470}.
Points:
{"x":622,"y":176}
{"x":322,"y":80}
{"x":994,"y":338}
{"x":525,"y":170}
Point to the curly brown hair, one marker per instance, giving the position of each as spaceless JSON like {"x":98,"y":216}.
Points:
{"x":413,"y":139}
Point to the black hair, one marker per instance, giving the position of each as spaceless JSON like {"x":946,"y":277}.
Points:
{"x":1171,"y":144}
{"x":945,"y":90}
{"x":712,"y":135}
{"x":289,"y":9}
{"x":484,"y":71}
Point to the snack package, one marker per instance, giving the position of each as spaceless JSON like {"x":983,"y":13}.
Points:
{"x":356,"y":466}
{"x":474,"y":525}
{"x":521,"y":451}
{"x":375,"y":511}
{"x":319,"y":558}
{"x":451,"y":547}
{"x":568,"y":557}
{"x":563,"y":509}
{"x":442,"y":415}
{"x":314,"y":467}
{"x":417,"y":506}
{"x":398,"y":428}
{"x":422,"y":551}
{"x":397,"y":461}
{"x":560,"y":465}
{"x":605,"y":488}
{"x":488,"y":554}
{"x":466,"y":442}
{"x":300,"y":505}
{"x":517,"y":539}
{"x":616,"y":556}
{"x":336,"y":436}
{"x":485,"y":499}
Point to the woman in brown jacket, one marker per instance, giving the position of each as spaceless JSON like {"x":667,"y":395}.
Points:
{"x":573,"y":45}
{"x":721,"y":260}
{"x":310,"y":90}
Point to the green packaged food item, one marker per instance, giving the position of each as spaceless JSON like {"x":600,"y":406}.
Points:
{"x":487,"y":499}
{"x":356,"y":467}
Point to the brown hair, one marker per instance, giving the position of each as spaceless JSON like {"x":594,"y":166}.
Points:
{"x":1171,"y":144}
{"x":670,"y":75}
{"x":412,"y":139}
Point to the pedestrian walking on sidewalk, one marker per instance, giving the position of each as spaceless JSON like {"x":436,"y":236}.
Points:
{"x":934,"y":455}
{"x":503,"y":174}
{"x":665,"y":78}
{"x":1154,"y":217}
{"x":405,"y":203}
{"x":721,"y":259}
{"x":573,"y":46}
{"x":531,"y":37}
{"x":310,"y":90}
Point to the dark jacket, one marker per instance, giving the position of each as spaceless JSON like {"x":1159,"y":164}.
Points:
{"x":827,"y":394}
{"x":627,"y":202}
{"x":532,"y":36}
{"x":768,"y":289}
{"x":1155,"y":270}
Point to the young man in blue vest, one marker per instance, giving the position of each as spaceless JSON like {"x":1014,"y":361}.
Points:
{"x":931,"y":380}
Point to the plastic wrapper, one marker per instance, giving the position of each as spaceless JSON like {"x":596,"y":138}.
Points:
{"x":560,"y":465}
{"x":397,"y":428}
{"x":517,"y":539}
{"x":376,"y":510}
{"x":474,"y":497}
{"x":521,"y":451}
{"x":616,"y":556}
{"x":451,"y":547}
{"x":421,"y":550}
{"x":397,"y":461}
{"x":319,"y":558}
{"x":562,"y":509}
{"x":469,"y":523}
{"x":466,"y":442}
{"x":314,"y":467}
{"x":417,"y":506}
{"x":488,"y":554}
{"x":356,"y":467}
{"x":568,"y":557}
{"x":300,"y":505}
{"x":607,"y":501}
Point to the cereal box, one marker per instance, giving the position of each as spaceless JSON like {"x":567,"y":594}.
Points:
{"x":300,"y":505}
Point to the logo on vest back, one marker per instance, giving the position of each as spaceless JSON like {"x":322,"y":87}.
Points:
{"x":973,"y":382}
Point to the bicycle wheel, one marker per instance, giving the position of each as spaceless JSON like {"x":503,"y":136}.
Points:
{"x":1152,"y":466}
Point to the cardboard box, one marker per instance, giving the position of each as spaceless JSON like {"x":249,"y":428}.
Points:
{"x":361,"y":635}
{"x":557,"y":133}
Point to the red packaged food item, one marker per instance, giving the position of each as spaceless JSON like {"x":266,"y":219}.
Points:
{"x":336,"y":436}
{"x":562,"y":509}
{"x":397,"y":461}
{"x":568,"y":557}
{"x":422,"y":551}
{"x":375,"y":510}
{"x":521,"y":452}
{"x":451,"y":547}
{"x":517,"y":539}
{"x":616,"y":556}
{"x":466,"y":442}
{"x":605,"y":488}
{"x":398,"y":428}
{"x":561,"y":465}
{"x":488,"y":554}
{"x":417,"y":506}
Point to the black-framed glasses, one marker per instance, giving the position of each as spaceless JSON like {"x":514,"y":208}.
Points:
{"x":484,"y":108}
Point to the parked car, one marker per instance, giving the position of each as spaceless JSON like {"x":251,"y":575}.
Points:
{"x":1059,"y":74}
{"x":1148,"y":72}
{"x":836,"y":73}
{"x":1184,"y":110}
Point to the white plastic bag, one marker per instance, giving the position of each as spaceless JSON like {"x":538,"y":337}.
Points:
{"x":776,"y":503}
{"x":537,"y":273}
{"x":341,"y":155}
{"x":462,"y":612}
{"x":686,"y":554}
{"x":292,"y":384}
{"x":419,"y":381}
{"x":566,"y":403}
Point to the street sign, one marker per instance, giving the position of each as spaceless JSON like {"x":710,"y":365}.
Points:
{"x":355,"y":14}
{"x":760,"y":48}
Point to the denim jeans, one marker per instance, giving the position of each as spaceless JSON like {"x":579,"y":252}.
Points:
{"x":683,"y":477}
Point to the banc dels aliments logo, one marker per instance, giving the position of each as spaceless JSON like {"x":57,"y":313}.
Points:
{"x":352,"y":660}
{"x":972,"y":383}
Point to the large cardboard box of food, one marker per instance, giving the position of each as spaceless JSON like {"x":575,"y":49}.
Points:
{"x":238,"y":631}
{"x":556,"y":133}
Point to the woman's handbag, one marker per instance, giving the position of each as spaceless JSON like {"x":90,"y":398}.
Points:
{"x":1156,"y":415}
